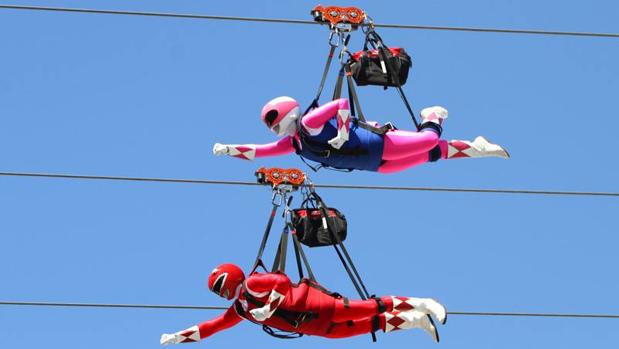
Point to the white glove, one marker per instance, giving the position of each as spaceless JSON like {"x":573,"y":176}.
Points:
{"x":221,"y":149}
{"x":260,"y":314}
{"x":167,"y":338}
{"x":338,"y":141}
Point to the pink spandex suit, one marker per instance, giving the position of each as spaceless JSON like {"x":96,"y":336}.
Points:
{"x":400,"y":149}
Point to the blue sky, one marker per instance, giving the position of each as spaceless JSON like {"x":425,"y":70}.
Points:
{"x":132,"y":96}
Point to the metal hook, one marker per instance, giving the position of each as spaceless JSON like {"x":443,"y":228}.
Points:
{"x":274,"y":199}
{"x":344,"y":39}
{"x":368,"y":26}
{"x":331,"y":35}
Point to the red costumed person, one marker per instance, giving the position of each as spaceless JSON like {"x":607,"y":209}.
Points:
{"x":272,"y":299}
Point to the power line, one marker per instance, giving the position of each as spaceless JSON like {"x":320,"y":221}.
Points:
{"x":197,"y":307}
{"x":327,"y":186}
{"x":107,"y":305}
{"x":296,"y":21}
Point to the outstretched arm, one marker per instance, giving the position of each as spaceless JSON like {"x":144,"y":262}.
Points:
{"x":314,"y":121}
{"x":275,"y":285}
{"x":251,"y":151}
{"x":203,"y":330}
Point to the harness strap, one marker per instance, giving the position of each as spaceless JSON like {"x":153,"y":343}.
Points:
{"x":293,"y":318}
{"x":377,"y":41}
{"x":325,"y":72}
{"x":300,"y":253}
{"x":353,"y":95}
{"x":347,"y":262}
{"x":279,"y":262}
{"x":265,"y":237}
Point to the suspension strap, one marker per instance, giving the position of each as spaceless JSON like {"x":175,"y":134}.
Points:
{"x":345,"y":258}
{"x":325,"y":72}
{"x":375,"y":40}
{"x":265,"y":236}
{"x":279,"y":262}
{"x":299,"y":249}
{"x":353,"y":95}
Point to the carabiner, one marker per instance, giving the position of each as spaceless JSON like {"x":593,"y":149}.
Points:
{"x":331,"y":35}
{"x":344,"y":40}
{"x":278,"y":194}
{"x":368,"y":26}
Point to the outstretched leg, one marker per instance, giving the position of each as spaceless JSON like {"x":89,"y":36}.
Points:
{"x":402,"y":164}
{"x":401,"y":144}
{"x":386,"y":313}
{"x":478,"y":148}
{"x":351,"y":328}
{"x":454,"y":149}
{"x":387,"y":322}
{"x":358,"y":309}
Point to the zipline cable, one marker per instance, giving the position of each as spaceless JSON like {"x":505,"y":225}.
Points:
{"x":296,"y":21}
{"x":327,"y":186}
{"x":197,"y":307}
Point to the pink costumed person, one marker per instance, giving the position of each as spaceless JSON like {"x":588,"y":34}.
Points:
{"x":328,"y":135}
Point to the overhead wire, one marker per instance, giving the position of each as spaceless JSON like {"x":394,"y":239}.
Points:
{"x":326,"y":186}
{"x":308,"y":22}
{"x":333,"y":186}
{"x":200,"y":307}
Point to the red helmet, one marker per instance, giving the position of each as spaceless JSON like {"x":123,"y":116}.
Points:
{"x":225,"y":280}
{"x":280,"y":114}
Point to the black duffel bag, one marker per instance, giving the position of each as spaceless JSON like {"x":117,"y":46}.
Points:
{"x":381,"y":66}
{"x":319,"y":225}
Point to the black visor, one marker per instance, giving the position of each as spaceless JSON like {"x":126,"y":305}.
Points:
{"x":219,"y":283}
{"x":270,"y":117}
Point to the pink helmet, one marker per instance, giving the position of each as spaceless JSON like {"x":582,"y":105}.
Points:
{"x":281,"y":114}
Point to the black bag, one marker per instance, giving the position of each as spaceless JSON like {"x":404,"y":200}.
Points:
{"x":310,"y":226}
{"x":381,"y":66}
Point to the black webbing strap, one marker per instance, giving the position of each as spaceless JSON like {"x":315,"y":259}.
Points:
{"x":299,"y":249}
{"x":325,"y":72}
{"x":279,"y":262}
{"x":337,"y":91}
{"x":353,"y":96}
{"x":265,"y":237}
{"x":350,"y":275}
{"x":345,"y":258}
{"x":297,"y":256}
{"x":281,"y":334}
{"x":377,"y":43}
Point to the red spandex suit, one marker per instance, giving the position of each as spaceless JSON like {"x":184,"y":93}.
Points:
{"x":272,"y":299}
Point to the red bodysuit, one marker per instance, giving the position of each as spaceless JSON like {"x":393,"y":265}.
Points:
{"x":271,"y":299}
{"x":312,"y":309}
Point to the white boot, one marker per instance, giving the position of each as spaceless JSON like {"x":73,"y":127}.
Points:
{"x":479,"y":148}
{"x":410,"y":319}
{"x":435,"y":114}
{"x":426,"y":305}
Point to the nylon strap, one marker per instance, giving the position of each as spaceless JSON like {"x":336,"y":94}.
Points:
{"x":297,"y":256}
{"x":337,"y":92}
{"x":377,"y":43}
{"x":353,"y":96}
{"x":325,"y":73}
{"x":360,"y":286}
{"x":298,"y":247}
{"x":279,"y":262}
{"x":265,"y":237}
